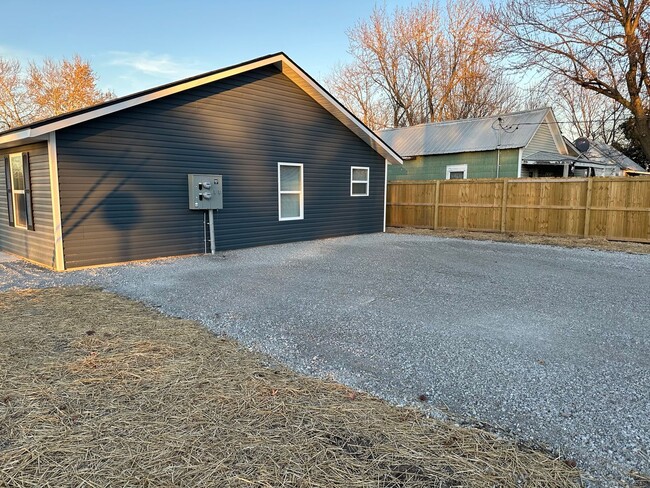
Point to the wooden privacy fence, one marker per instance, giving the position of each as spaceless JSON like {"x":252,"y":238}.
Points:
{"x":616,"y":208}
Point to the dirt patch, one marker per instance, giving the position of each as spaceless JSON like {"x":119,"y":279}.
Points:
{"x":97,"y":390}
{"x":599,"y":243}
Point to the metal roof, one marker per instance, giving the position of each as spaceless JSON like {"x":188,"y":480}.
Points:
{"x":465,"y":135}
{"x":604,"y":153}
{"x":545,"y":157}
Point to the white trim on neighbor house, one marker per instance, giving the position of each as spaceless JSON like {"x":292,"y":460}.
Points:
{"x":324,"y":99}
{"x":59,"y":260}
{"x":366,"y":181}
{"x":456,"y":168}
{"x":300,"y":192}
{"x":519,"y":157}
{"x":550,"y":120}
{"x":386,"y":163}
{"x":556,"y":132}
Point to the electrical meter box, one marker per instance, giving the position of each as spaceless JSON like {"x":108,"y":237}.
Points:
{"x":205,"y":192}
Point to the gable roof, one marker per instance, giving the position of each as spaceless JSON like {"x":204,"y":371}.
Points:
{"x":40,"y":130}
{"x":604,"y":153}
{"x":468,"y":135}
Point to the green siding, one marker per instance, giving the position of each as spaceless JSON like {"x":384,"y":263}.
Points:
{"x":481,"y":164}
{"x":541,"y":141}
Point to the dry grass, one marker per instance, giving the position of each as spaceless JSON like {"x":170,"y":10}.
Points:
{"x":97,"y":390}
{"x":586,"y":242}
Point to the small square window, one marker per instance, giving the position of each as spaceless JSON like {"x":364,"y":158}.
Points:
{"x":359,"y":181}
{"x":457,"y":172}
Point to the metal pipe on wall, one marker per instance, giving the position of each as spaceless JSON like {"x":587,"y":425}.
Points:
{"x":205,"y":236}
{"x":211,"y":219}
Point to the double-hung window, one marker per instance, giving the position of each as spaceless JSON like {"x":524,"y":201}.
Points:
{"x":19,"y":200}
{"x":359,"y":181}
{"x":290,"y":191}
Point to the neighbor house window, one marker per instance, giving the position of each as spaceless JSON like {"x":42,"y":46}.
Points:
{"x":457,"y":172}
{"x":360,"y":181}
{"x":19,"y":198}
{"x":290,"y":191}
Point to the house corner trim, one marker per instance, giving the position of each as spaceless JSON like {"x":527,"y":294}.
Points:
{"x":59,"y":260}
{"x":385,"y":190}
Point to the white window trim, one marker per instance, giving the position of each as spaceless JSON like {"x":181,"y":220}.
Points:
{"x":366,"y":181}
{"x":281,"y":192}
{"x":455,"y":168}
{"x":15,"y":192}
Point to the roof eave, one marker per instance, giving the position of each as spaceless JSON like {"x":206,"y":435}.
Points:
{"x":501,"y":148}
{"x":283,"y":62}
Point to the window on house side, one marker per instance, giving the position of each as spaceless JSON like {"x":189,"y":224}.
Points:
{"x":359,"y":181}
{"x":457,"y":172}
{"x":17,"y":194}
{"x":290,"y":191}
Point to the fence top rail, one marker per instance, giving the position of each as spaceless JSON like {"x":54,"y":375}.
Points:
{"x":630,"y":179}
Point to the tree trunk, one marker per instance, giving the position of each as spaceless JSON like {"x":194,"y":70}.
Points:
{"x":642,"y":129}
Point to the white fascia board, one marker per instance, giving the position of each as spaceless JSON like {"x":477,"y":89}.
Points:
{"x":16,"y":136}
{"x":330,"y":104}
{"x":99,"y":112}
{"x":323,"y":98}
{"x":556,"y":132}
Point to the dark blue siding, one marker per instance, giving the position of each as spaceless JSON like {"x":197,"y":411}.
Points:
{"x":36,"y":245}
{"x":123,"y":177}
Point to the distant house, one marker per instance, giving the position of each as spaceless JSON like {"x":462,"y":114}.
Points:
{"x":606,"y":160}
{"x":522,"y":144}
{"x":112,"y":182}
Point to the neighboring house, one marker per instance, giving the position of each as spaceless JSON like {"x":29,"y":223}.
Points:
{"x":607,"y":161}
{"x":522,"y":144}
{"x":110,"y":183}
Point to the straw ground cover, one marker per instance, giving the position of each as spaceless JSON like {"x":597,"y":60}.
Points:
{"x":599,"y":243}
{"x":97,"y":390}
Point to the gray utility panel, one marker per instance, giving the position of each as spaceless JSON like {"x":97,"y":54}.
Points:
{"x":205,"y":192}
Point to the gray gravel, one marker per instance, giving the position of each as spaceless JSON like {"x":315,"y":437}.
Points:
{"x":548,"y":344}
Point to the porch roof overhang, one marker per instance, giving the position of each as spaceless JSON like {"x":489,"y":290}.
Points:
{"x":546,"y":158}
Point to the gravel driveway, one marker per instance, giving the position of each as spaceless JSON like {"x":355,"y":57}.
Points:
{"x":550,"y":344}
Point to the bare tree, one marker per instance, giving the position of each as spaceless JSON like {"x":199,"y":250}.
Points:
{"x":15,"y":108}
{"x":423,"y":64}
{"x":360,"y":94}
{"x":45,"y":91}
{"x":380,"y":57}
{"x":588,"y":113}
{"x":482,"y":93}
{"x":59,"y":87}
{"x":600,"y":45}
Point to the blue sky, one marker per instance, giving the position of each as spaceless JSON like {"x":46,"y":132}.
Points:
{"x":138,"y":44}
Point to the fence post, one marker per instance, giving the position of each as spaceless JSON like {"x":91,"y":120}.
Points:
{"x":504,"y":205}
{"x":435,"y":206}
{"x":588,"y":207}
